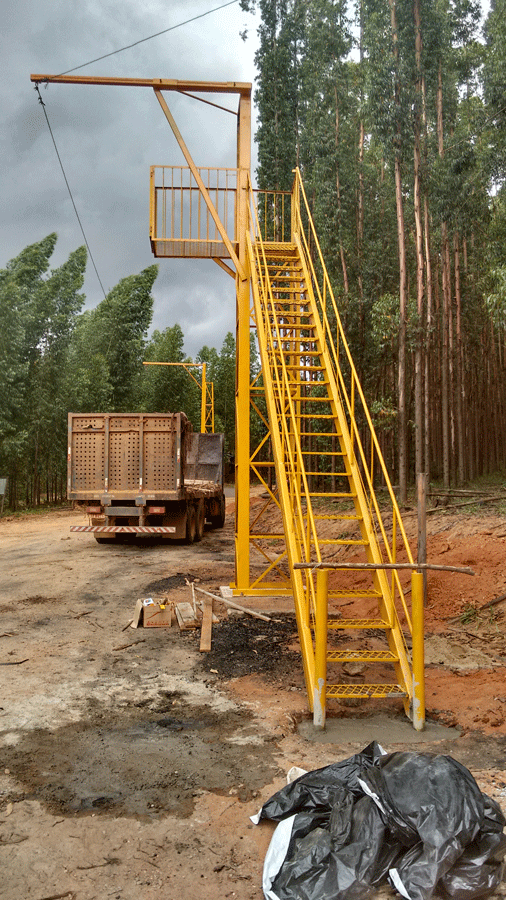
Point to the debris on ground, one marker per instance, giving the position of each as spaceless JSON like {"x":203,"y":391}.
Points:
{"x":415,"y":820}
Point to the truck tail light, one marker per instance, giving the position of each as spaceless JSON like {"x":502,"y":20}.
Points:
{"x":94,"y":511}
{"x":156,"y":510}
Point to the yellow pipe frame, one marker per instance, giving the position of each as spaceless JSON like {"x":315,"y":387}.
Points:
{"x":418,"y":663}
{"x":206,"y":390}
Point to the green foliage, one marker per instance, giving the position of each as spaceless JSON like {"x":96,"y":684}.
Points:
{"x":53,"y":359}
{"x":496,"y":300}
{"x":222,"y":374}
{"x":165,"y":388}
{"x":494,"y":67}
{"x":116,"y":331}
{"x":38,"y":314}
{"x":352,"y":123}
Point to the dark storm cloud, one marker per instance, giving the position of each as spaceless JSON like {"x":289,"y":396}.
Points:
{"x":108,"y":137}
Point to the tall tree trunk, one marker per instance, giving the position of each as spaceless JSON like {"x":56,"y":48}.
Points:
{"x":402,"y":417}
{"x":459,"y":365}
{"x":445,"y":392}
{"x":346,"y":285}
{"x":418,"y":241}
{"x":428,"y":343}
{"x":360,"y":210}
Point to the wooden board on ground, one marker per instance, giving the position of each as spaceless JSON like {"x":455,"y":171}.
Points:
{"x":186,"y":616}
{"x":207,"y":625}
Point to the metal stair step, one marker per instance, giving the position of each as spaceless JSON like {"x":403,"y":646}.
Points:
{"x":338,"y":656}
{"x":289,"y":312}
{"x":342,"y":542}
{"x":340,"y":624}
{"x":346,"y":691}
{"x":279,"y":246}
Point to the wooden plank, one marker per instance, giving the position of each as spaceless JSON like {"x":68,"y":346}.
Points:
{"x":207,"y":625}
{"x":186,"y":616}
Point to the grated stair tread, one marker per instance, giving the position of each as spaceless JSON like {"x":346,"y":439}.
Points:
{"x":343,"y":691}
{"x":337,"y":656}
{"x":339,"y":623}
{"x":279,"y":247}
{"x":341,"y":542}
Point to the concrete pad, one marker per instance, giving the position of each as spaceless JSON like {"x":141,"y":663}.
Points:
{"x":385,"y":729}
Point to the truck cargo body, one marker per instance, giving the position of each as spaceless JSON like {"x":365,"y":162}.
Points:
{"x":144,"y":473}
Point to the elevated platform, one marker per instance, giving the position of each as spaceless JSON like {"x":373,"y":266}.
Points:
{"x":181,"y":223}
{"x":174,"y":248}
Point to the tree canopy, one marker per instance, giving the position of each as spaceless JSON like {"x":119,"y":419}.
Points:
{"x":394,"y":112}
{"x":56,"y":357}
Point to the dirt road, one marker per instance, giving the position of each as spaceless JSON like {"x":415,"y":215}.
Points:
{"x":130,"y":762}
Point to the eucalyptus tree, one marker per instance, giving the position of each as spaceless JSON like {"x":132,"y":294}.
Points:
{"x":109,"y":343}
{"x":166,"y":388}
{"x":39,"y":310}
{"x":494,"y":82}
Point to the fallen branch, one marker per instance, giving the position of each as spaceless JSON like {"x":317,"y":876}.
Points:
{"x":244,"y":609}
{"x":108,"y":861}
{"x":16,"y":839}
{"x":126,"y":646}
{"x":60,"y":896}
{"x":467,"y":503}
{"x":494,"y":601}
{"x":18,"y":662}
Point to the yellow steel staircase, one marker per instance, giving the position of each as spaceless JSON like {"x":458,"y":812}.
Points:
{"x":326,"y":456}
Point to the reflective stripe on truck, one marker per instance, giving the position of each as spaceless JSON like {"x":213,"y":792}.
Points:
{"x":129,"y":529}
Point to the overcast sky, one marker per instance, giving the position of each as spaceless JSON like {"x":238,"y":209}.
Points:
{"x":108,"y":137}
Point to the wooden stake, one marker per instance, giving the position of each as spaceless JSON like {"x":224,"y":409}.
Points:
{"x":244,"y":609}
{"x":421,"y":492}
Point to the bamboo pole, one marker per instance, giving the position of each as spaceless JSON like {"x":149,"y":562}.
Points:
{"x":464,"y":570}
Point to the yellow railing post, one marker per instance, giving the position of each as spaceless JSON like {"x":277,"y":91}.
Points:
{"x":418,"y":651}
{"x":321,"y":620}
{"x":203,"y":404}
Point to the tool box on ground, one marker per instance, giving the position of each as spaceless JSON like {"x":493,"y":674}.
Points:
{"x":416,"y":820}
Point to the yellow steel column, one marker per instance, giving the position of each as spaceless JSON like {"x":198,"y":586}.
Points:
{"x":418,"y":651}
{"x":320,"y":656}
{"x":242,"y":399}
{"x":203,"y":404}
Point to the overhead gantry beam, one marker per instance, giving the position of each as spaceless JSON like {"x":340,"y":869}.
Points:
{"x":162,"y":84}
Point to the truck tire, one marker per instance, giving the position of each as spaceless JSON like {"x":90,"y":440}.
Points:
{"x":200,"y":518}
{"x":191,"y":524}
{"x":104,"y":540}
{"x":218,"y":521}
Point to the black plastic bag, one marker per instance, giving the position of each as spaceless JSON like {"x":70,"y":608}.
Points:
{"x":418,"y":819}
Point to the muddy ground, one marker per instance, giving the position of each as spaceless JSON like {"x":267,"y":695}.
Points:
{"x":130,"y":762}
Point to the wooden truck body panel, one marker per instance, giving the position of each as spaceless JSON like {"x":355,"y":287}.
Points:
{"x":144,"y":473}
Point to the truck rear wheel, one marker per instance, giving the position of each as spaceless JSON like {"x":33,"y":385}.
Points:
{"x":191,"y":524}
{"x":218,"y":520}
{"x":200,"y":518}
